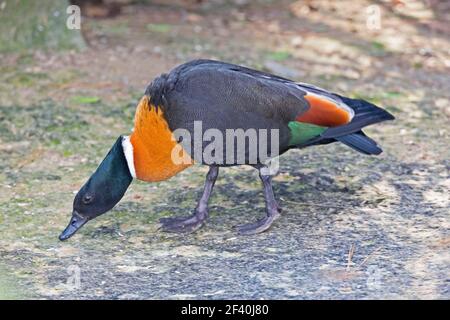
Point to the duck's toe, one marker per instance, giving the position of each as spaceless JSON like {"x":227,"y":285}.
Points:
{"x":186,"y":224}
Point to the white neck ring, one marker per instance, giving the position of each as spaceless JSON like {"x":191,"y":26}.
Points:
{"x":127,"y":147}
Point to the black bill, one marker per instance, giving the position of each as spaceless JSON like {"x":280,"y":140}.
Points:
{"x":75,"y":223}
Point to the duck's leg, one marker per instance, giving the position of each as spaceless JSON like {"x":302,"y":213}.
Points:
{"x":272,"y":209}
{"x":192,"y":223}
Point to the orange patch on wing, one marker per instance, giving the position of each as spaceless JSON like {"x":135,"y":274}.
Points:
{"x":153,"y":144}
{"x":323,"y":112}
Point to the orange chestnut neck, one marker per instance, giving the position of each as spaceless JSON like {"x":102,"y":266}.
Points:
{"x":153,"y":144}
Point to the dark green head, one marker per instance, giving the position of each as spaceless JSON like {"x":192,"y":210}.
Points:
{"x":102,"y":191}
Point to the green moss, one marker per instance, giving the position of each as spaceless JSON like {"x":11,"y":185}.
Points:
{"x":279,"y":55}
{"x":9,"y":289}
{"x":377,"y":45}
{"x":67,"y":153}
{"x":159,"y":27}
{"x":23,"y":79}
{"x":25,"y":59}
{"x":377,"y":48}
{"x":27,"y":24}
{"x":393,"y":94}
{"x":86,"y":100}
{"x":121,"y":28}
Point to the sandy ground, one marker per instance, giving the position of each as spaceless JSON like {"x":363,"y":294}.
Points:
{"x":352,"y":226}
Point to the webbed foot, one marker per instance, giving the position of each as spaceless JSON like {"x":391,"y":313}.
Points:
{"x":186,"y":224}
{"x":258,"y":226}
{"x":272,"y":208}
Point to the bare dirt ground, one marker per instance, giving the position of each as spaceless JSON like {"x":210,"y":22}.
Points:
{"x":352,"y":226}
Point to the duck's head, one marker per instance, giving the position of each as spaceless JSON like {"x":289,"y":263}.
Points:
{"x":103,"y":190}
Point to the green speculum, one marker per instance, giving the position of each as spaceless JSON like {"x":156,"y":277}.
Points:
{"x":302,"y":132}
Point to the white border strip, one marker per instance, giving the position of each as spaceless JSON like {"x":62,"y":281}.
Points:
{"x":128,"y":151}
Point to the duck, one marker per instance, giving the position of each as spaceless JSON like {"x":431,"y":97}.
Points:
{"x":187,"y":116}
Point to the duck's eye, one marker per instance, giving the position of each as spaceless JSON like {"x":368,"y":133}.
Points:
{"x":87,"y":199}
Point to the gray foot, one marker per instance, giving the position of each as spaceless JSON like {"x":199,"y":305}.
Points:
{"x":187,"y":224}
{"x":258,"y":226}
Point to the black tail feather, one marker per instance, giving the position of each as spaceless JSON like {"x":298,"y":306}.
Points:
{"x":360,"y":142}
{"x":366,"y":114}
